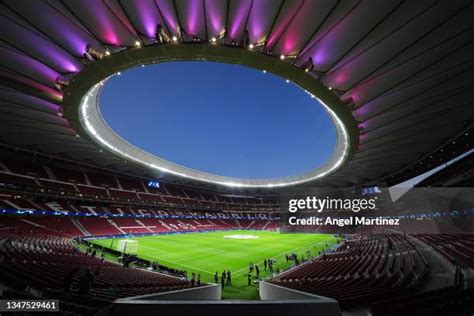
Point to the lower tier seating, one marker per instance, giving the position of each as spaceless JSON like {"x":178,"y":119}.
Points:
{"x":362,"y":270}
{"x":45,"y":260}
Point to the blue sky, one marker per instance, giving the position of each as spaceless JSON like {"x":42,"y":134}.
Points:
{"x":219,"y":118}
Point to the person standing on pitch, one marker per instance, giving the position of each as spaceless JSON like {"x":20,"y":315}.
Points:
{"x":223,"y":279}
{"x":229,"y":278}
{"x":216,"y":278}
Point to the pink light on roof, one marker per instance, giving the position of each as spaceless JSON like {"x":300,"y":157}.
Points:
{"x":238,"y":20}
{"x":194,"y":8}
{"x":167,"y":10}
{"x":215,"y":12}
{"x":148,"y":17}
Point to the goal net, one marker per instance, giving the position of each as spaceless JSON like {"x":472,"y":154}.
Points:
{"x":127,"y":246}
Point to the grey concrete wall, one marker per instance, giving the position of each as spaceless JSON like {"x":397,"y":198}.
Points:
{"x":272,"y":292}
{"x":205,"y":293}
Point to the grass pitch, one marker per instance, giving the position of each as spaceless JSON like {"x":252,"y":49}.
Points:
{"x":207,"y":252}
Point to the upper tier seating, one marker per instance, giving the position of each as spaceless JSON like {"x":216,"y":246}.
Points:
{"x":92,"y":191}
{"x":22,"y":180}
{"x":131,"y":184}
{"x":56,"y":185}
{"x":93,"y":184}
{"x":26,"y":168}
{"x":100,"y":180}
{"x":68,"y":175}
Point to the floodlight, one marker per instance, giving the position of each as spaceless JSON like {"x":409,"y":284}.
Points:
{"x":308,"y":65}
{"x":61,"y":83}
{"x":246,"y":39}
{"x":161,"y":35}
{"x":92,"y":53}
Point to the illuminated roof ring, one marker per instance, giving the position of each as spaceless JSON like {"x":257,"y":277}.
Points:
{"x":81,"y":107}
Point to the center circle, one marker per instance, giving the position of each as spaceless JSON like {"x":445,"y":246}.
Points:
{"x":223,"y":119}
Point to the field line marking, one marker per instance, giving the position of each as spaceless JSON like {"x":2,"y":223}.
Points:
{"x":201,"y":255}
{"x":312,"y":243}
{"x":234,"y":272}
{"x":174,"y":262}
{"x":186,"y":258}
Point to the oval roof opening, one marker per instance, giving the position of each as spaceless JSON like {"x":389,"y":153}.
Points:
{"x":222,"y":119}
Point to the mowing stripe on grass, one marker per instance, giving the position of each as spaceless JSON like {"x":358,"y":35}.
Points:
{"x":202,"y":255}
{"x":203,"y":252}
{"x":155,"y":258}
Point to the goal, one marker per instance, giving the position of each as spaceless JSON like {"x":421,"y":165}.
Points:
{"x":127,"y":246}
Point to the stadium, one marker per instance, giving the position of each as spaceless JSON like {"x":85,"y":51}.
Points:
{"x":96,"y":218}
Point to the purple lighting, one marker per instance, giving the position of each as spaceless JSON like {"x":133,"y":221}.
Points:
{"x":279,"y":29}
{"x":368,"y":108}
{"x":289,"y":44}
{"x":55,"y":25}
{"x":215,"y":11}
{"x":167,"y":10}
{"x":97,"y":16}
{"x":363,"y":138}
{"x":321,"y":52}
{"x":193,"y":13}
{"x":53,"y":94}
{"x":360,"y":112}
{"x":49,"y":54}
{"x":238,"y":20}
{"x":260,"y":20}
{"x":319,"y":56}
{"x":144,"y":15}
{"x":28,"y":66}
{"x":293,"y":37}
{"x":338,"y":79}
{"x":31,"y":101}
{"x":362,"y":126}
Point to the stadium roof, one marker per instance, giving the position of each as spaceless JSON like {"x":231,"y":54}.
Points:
{"x":403,"y":68}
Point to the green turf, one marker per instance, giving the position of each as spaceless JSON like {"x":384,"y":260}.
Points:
{"x":208,"y":252}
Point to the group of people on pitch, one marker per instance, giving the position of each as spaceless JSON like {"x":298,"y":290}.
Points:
{"x":226,"y":278}
{"x":195,"y":281}
{"x":267,"y":265}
